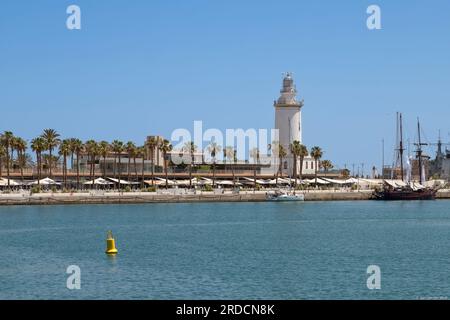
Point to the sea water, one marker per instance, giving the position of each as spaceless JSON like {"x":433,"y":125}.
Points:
{"x":292,"y":250}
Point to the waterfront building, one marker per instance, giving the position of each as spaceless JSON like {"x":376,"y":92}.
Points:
{"x":110,"y":165}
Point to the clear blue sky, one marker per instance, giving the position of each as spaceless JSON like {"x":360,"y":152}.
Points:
{"x":147,"y":67}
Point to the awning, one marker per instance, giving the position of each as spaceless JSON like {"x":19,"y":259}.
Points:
{"x":4,"y":182}
{"x":45,"y":182}
{"x":99,"y":181}
{"x":333,"y":181}
{"x":319,"y":181}
{"x":227,"y":183}
{"x":122,"y":181}
{"x":258,"y":181}
{"x":371,"y":182}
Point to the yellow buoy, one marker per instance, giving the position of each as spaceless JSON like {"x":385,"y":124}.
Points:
{"x":110,"y":244}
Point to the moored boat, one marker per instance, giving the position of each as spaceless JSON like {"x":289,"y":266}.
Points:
{"x":407,"y":191}
{"x":283,"y":196}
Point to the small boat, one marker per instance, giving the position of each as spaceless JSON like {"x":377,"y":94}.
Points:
{"x":283,"y":196}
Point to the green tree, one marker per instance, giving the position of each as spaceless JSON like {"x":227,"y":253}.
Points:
{"x":64,"y":151}
{"x":279,"y":152}
{"x":190,"y":148}
{"x":295,"y":150}
{"x":213,"y":149}
{"x":345,"y":173}
{"x":130,"y":147}
{"x":316,"y":154}
{"x":229,"y":154}
{"x":78,"y":147}
{"x":141,"y":152}
{"x":254,"y":153}
{"x":104,"y":149}
{"x":52,"y":140}
{"x":327,"y":165}
{"x":303,"y":152}
{"x":165,"y":147}
{"x":6,"y":140}
{"x":152,"y":144}
{"x":38,"y":146}
{"x":2,"y":157}
{"x":117,"y":147}
{"x":21,"y":147}
{"x":92,"y":151}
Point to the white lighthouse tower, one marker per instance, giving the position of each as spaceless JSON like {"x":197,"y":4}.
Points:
{"x":288,"y":119}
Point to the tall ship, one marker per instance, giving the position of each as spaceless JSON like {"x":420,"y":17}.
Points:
{"x":405,"y":189}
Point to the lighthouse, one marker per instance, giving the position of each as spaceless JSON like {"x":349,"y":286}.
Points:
{"x":288,"y":119}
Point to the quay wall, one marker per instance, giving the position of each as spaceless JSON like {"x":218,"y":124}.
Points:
{"x":153,"y":197}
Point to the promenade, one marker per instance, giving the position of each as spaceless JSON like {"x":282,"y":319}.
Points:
{"x":99,"y":197}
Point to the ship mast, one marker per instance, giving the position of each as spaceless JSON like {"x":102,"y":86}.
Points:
{"x":419,"y":152}
{"x":401,"y":149}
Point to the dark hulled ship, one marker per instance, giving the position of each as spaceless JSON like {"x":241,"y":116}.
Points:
{"x":407,"y":193}
{"x":407,"y":190}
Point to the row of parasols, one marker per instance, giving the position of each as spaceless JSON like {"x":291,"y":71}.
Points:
{"x":195,"y":181}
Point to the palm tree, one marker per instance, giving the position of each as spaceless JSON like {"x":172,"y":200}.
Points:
{"x":2,"y":155}
{"x":254,"y":153}
{"x":117,"y":147}
{"x":213,"y":148}
{"x":152,"y":143}
{"x":141,"y":152}
{"x":24,"y":161}
{"x":345,"y":173}
{"x":302,"y":154}
{"x":7,"y":140}
{"x":229,"y":153}
{"x":64,"y":151}
{"x":52,"y":140}
{"x":72,"y":142}
{"x":38,"y":145}
{"x":21,"y":147}
{"x":103,"y":150}
{"x":77,"y":147}
{"x":130,"y":147}
{"x":280,"y":153}
{"x":190,"y":148}
{"x":295,"y":150}
{"x":327,"y":165}
{"x":316,"y":153}
{"x":14,"y":148}
{"x":135,"y":154}
{"x":165,"y":147}
{"x":92,"y":150}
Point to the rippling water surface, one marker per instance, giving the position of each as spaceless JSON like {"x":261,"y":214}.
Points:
{"x":311,"y":250}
